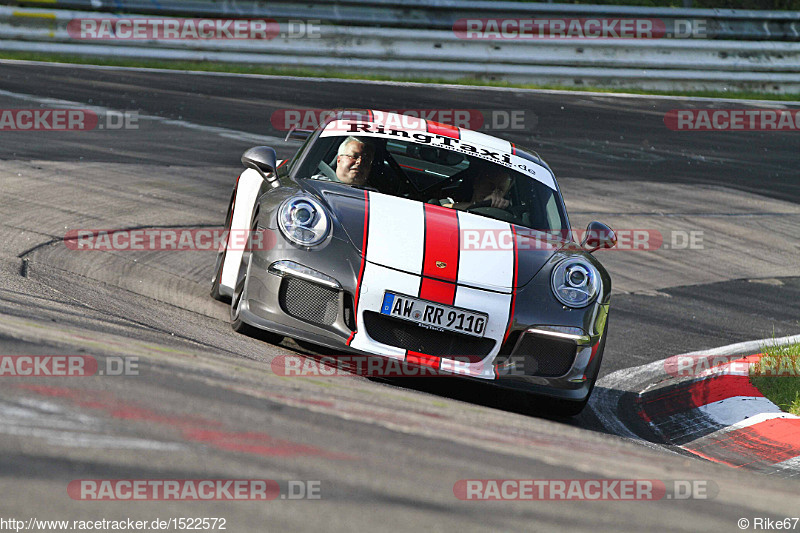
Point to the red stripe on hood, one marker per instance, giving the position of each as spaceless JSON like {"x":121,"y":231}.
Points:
{"x":440,"y":257}
{"x":437,"y":291}
{"x":441,"y":243}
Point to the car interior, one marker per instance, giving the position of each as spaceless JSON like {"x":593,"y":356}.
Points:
{"x":445,"y":177}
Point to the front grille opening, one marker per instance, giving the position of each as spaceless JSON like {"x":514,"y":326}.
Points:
{"x":308,"y":301}
{"x":545,"y":357}
{"x":404,"y":334}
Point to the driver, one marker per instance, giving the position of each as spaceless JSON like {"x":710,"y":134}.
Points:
{"x":353,"y":161}
{"x":491,"y":187}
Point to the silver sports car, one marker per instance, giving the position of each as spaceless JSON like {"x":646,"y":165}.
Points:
{"x":441,"y":247}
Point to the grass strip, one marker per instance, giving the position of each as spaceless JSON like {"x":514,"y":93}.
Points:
{"x":777,"y":376}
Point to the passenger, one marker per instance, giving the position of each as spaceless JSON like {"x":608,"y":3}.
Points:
{"x":490,"y":187}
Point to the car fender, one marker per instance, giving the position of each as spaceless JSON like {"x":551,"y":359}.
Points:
{"x":246,"y":192}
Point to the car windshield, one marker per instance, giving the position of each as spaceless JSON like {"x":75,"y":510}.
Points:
{"x":438,"y":176}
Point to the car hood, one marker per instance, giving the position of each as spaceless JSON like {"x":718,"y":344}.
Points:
{"x":437,"y":242}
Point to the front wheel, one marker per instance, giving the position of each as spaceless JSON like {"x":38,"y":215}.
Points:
{"x":240,"y":326}
{"x":217,"y":275}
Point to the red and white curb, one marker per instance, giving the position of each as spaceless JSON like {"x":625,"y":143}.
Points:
{"x":715,"y":414}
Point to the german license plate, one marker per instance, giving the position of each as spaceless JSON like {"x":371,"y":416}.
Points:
{"x":434,"y":316}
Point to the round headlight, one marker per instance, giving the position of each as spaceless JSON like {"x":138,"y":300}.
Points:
{"x":575,"y":282}
{"x":303,"y":221}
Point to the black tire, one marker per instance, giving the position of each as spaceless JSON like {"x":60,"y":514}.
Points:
{"x":215,"y":281}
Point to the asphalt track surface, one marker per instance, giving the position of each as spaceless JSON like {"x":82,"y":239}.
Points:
{"x":205,"y":403}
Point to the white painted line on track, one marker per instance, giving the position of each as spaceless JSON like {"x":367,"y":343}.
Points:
{"x":738,"y":409}
{"x":57,"y":426}
{"x":222,"y":132}
{"x":792,"y":464}
{"x":756,"y":419}
{"x":748,"y":346}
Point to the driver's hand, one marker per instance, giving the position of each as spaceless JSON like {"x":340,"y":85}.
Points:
{"x":497,"y":200}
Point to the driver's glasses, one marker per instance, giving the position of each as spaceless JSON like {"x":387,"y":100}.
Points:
{"x":355,"y":157}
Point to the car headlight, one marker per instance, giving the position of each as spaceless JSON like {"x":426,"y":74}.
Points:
{"x":575,"y":282}
{"x":303,"y":221}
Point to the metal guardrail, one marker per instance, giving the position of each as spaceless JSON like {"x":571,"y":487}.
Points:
{"x":442,"y":14}
{"x":666,"y":64}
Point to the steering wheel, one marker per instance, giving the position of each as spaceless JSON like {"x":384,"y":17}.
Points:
{"x":445,"y":182}
{"x":482,"y":203}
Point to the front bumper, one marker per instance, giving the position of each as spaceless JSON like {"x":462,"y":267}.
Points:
{"x":289,"y":298}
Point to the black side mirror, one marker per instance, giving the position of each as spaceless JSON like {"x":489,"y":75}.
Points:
{"x":598,"y":235}
{"x":263,"y":159}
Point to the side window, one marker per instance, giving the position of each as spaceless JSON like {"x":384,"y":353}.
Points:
{"x":292,"y":160}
